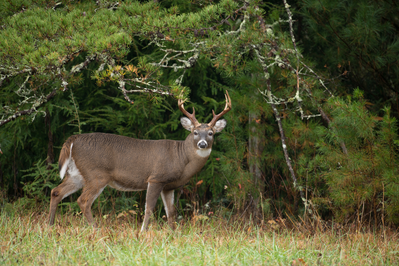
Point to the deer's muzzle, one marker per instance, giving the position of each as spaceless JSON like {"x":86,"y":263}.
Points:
{"x":202,"y":144}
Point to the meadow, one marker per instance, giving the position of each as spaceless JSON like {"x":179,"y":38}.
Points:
{"x":26,"y":239}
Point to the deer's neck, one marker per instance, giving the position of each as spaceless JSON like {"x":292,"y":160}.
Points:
{"x":204,"y":153}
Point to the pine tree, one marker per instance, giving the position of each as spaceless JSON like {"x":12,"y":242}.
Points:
{"x":120,"y":66}
{"x":356,"y":41}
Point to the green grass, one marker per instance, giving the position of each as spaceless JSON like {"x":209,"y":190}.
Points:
{"x":28,"y":240}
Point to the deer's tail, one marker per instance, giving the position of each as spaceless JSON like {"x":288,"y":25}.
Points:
{"x":65,"y":155}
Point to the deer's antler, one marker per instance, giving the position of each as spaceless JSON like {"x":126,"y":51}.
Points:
{"x":190,"y":116}
{"x":226,"y":109}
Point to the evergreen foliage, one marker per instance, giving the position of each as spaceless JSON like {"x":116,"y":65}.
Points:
{"x":360,"y":185}
{"x":71,"y":67}
{"x":357,"y":40}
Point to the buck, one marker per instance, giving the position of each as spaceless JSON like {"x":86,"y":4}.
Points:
{"x":96,"y":160}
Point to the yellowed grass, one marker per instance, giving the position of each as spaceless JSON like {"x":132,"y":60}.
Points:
{"x":29,"y":240}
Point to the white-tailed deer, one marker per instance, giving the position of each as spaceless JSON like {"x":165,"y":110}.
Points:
{"x":96,"y":160}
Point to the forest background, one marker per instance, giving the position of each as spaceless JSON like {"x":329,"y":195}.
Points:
{"x":313,"y":131}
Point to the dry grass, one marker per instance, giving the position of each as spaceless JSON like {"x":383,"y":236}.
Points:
{"x":28,"y":240}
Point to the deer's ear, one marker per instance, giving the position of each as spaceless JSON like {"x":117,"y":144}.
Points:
{"x":219,"y":125}
{"x":186,"y":123}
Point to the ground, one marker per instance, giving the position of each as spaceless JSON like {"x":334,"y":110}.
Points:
{"x":27,"y":239}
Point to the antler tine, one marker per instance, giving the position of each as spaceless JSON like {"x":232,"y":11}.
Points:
{"x":190,"y":116}
{"x":226,"y":109}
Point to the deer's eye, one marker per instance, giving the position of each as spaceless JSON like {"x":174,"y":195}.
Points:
{"x":195,"y":133}
{"x":210,"y":133}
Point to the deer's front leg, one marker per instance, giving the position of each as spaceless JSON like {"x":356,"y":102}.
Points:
{"x":168,"y":202}
{"x":153,"y":191}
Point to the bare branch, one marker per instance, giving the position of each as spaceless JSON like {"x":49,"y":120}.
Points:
{"x":8,"y":73}
{"x":37,"y":104}
{"x":268,"y":95}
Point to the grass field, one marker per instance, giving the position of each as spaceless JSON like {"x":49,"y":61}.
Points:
{"x":28,"y":240}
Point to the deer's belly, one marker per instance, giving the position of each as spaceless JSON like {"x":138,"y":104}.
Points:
{"x":126,"y":187}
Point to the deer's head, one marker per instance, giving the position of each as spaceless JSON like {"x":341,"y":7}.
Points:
{"x":203,"y":133}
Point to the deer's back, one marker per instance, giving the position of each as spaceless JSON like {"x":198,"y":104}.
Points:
{"x":127,"y":161}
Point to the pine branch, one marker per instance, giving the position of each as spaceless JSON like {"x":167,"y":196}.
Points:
{"x":37,"y":104}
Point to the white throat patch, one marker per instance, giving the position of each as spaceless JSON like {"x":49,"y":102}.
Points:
{"x":204,"y":152}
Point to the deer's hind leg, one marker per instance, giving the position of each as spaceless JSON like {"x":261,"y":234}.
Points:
{"x":90,"y":192}
{"x":70,"y":185}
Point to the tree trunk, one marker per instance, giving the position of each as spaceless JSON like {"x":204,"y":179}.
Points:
{"x":255,"y":151}
{"x":14,"y":168}
{"x":1,"y":177}
{"x":50,"y":151}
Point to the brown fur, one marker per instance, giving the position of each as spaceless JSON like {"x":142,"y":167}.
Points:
{"x":127,"y":164}
{"x":158,"y":166}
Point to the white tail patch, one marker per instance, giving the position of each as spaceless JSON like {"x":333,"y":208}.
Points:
{"x":66,"y":163}
{"x":204,"y":152}
{"x":75,"y":176}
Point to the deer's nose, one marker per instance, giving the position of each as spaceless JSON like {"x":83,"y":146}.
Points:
{"x":202,"y":144}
